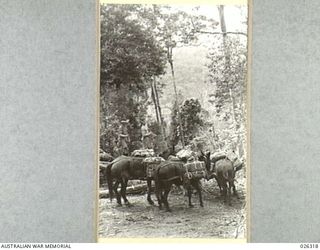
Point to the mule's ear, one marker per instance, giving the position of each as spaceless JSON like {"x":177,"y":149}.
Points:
{"x":202,"y":153}
{"x":208,"y":155}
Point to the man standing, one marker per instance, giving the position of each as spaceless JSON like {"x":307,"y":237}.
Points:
{"x":123,"y":138}
{"x":144,"y":135}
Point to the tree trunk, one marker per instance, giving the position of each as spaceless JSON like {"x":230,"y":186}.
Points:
{"x":222,"y":21}
{"x":136,"y":189}
{"x":158,"y":106}
{"x":228,"y":65}
{"x":153,"y":96}
{"x":170,"y":60}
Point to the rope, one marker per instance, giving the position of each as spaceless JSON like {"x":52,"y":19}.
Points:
{"x":175,"y":177}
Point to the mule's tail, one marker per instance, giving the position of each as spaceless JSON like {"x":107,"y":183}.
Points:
{"x":109,"y":180}
{"x":228,"y":175}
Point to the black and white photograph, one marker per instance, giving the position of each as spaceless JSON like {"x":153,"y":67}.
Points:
{"x":173,"y":149}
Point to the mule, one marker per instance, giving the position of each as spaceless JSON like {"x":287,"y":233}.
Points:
{"x":225,"y":177}
{"x":123,"y":169}
{"x":174,"y":172}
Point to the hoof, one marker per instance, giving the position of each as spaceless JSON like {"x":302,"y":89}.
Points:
{"x":201,"y":205}
{"x":236,"y":195}
{"x":119,"y":205}
{"x":151,"y":203}
{"x":191,"y":205}
{"x":169,"y":210}
{"x":128,"y":204}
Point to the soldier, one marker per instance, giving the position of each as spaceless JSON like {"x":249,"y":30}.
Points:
{"x":123,"y":138}
{"x":144,"y":137}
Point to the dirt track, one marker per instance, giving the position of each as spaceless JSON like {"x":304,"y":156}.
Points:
{"x":215,"y":220}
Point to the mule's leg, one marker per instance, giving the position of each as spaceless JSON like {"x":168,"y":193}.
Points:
{"x":165,"y":197}
{"x":229,"y":192}
{"x":124,"y":184}
{"x":219,"y":184}
{"x":160,"y":200}
{"x":235,"y":193}
{"x":115,"y":189}
{"x":189,"y":190}
{"x":198,"y":188}
{"x":163,"y":189}
{"x":149,"y":182}
{"x":158,"y":192}
{"x":224,"y":188}
{"x":220,"y":188}
{"x":162,"y":197}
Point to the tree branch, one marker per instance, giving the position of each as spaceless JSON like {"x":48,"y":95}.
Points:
{"x":215,"y":33}
{"x":221,"y":33}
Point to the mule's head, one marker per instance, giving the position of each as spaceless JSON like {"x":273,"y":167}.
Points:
{"x":205,"y":157}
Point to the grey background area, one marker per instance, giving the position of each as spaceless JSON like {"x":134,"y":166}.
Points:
{"x":285,"y":121}
{"x":47,"y":120}
{"x":48,"y":114}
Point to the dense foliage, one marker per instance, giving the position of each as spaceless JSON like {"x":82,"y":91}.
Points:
{"x":190,"y":118}
{"x":148,"y":65}
{"x":130,"y":57}
{"x":228,"y":68}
